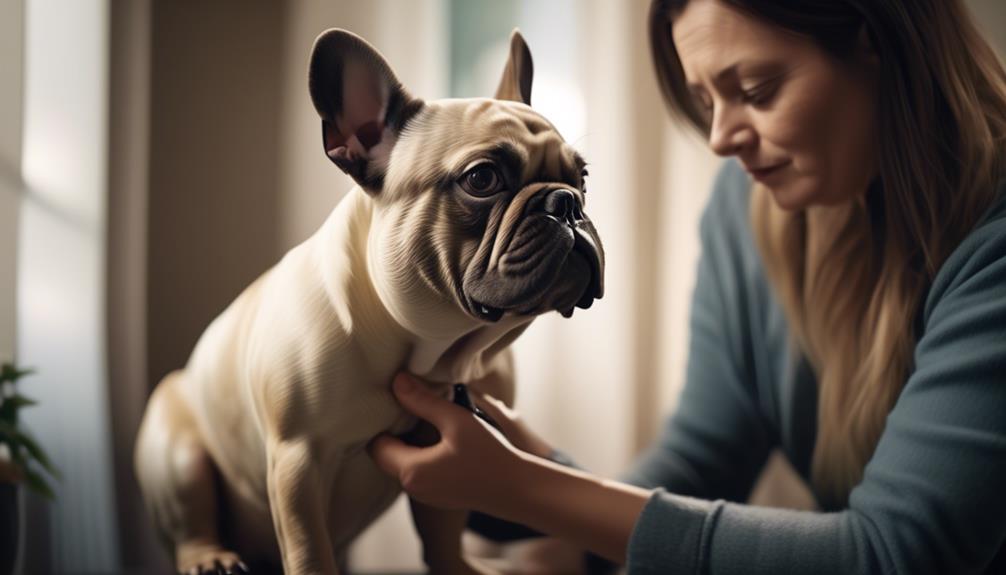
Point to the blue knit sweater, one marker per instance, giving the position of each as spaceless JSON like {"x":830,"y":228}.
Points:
{"x":933,"y":497}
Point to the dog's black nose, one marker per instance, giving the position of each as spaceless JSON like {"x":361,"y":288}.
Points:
{"x":561,"y":204}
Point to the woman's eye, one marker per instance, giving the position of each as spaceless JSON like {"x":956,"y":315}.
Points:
{"x":760,"y":94}
{"x":704,"y":104}
{"x":481,"y":181}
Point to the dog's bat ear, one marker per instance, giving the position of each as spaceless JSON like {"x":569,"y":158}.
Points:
{"x":515,"y":84}
{"x":363,"y":106}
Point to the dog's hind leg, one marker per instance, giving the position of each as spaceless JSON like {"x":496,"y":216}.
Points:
{"x":179,"y":483}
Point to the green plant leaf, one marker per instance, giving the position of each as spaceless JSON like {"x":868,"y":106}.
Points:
{"x":7,"y":431}
{"x":37,"y":453}
{"x":11,"y":405}
{"x":37,"y":482}
{"x":8,"y":372}
{"x":20,"y":400}
{"x":17,"y":439}
{"x":8,"y":416}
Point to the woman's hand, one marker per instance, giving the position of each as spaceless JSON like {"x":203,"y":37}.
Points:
{"x":471,"y":467}
{"x":513,"y":427}
{"x":474,"y":467}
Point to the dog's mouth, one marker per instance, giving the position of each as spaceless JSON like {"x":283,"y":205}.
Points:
{"x":487,"y":312}
{"x":585,"y":245}
{"x":584,"y":248}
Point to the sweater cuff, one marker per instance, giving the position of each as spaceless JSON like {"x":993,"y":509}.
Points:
{"x":671,"y":534}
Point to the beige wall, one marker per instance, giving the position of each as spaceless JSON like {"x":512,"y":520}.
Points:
{"x":991,"y":18}
{"x":215,"y":77}
{"x":11,"y":51}
{"x":129,"y":143}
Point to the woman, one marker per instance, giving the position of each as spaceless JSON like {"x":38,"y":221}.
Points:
{"x":850,"y":309}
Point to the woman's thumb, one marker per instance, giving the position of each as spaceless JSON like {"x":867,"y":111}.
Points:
{"x":390,"y":454}
{"x":420,"y":401}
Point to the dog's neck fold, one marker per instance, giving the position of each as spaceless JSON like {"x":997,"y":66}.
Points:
{"x":427,"y":335}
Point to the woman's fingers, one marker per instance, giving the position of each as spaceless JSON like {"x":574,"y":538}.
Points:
{"x":392,"y":455}
{"x":420,"y":470}
{"x":420,"y":401}
{"x":495,"y":408}
{"x":463,"y":470}
{"x":513,"y":428}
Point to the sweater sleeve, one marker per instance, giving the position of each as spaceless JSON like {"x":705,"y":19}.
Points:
{"x":717,"y":441}
{"x":931,"y":499}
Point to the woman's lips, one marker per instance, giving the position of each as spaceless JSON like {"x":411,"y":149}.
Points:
{"x":761,"y":174}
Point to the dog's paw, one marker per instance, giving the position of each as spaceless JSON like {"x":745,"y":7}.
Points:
{"x":212,"y":562}
{"x":467,"y":566}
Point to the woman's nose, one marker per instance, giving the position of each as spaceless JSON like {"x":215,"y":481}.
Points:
{"x":730,"y":133}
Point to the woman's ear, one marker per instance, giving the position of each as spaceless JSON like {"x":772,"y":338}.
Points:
{"x":362,"y":105}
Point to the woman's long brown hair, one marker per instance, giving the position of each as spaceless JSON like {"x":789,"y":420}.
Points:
{"x":852,"y":278}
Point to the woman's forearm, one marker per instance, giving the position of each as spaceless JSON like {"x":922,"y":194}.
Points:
{"x":595,"y":513}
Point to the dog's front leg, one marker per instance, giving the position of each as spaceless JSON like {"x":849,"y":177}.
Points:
{"x":440,"y":531}
{"x":299,"y":484}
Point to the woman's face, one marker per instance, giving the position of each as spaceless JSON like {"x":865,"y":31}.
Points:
{"x":800,"y":121}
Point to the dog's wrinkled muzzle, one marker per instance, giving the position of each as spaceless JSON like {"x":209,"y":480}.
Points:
{"x":561,"y":204}
{"x":554,"y":261}
{"x":586,"y":246}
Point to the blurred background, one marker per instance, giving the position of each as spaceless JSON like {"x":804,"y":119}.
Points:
{"x":156,"y":156}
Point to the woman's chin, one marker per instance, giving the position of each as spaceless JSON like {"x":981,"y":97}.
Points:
{"x":794,"y":195}
{"x":788,"y":198}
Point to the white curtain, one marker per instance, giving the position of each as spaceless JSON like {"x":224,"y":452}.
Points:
{"x":61,"y":281}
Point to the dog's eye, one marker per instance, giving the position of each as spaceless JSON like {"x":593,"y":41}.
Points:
{"x":481,"y":181}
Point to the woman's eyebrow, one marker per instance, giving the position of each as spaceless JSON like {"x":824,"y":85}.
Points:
{"x":734,"y":70}
{"x":697,"y":88}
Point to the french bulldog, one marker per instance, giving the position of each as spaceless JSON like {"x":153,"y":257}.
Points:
{"x":467,"y":222}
